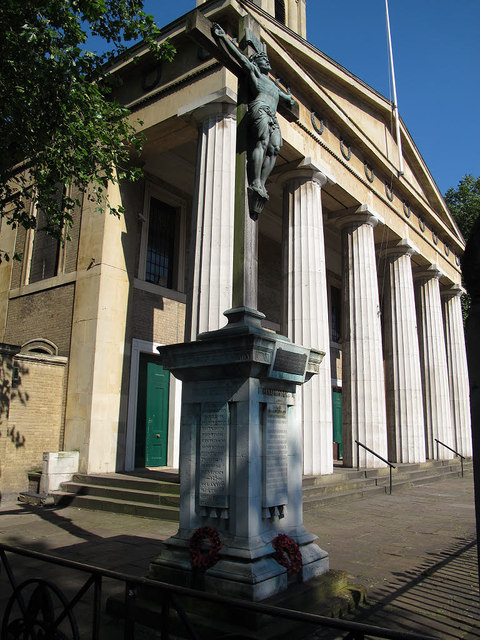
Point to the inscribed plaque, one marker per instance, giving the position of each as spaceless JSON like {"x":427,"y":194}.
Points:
{"x":275,"y":455}
{"x":213,"y":455}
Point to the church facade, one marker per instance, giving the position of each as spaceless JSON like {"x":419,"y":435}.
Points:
{"x":356,"y":258}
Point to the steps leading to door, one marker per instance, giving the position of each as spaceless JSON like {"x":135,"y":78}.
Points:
{"x":156,"y":494}
{"x":350,"y":484}
{"x":149,"y":497}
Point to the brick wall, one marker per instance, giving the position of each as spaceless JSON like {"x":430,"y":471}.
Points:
{"x":32,"y":408}
{"x":71,"y":247}
{"x":46,"y":314}
{"x":157,"y":319}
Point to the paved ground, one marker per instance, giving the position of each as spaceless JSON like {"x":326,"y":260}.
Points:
{"x":414,"y":551}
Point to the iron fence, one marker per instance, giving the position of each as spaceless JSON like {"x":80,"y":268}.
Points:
{"x":38,"y":609}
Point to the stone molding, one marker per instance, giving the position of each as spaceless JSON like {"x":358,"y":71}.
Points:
{"x":354,"y":217}
{"x":220,"y":103}
{"x":307,"y":170}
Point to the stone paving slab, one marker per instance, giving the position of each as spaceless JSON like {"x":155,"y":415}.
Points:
{"x":394,"y":545}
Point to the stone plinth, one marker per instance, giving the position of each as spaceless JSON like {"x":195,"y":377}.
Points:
{"x":240,"y":457}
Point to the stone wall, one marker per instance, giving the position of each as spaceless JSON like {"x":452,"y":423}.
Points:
{"x":32,"y":407}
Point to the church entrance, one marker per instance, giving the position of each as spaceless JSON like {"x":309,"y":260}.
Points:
{"x":151,"y":441}
{"x":337,"y":424}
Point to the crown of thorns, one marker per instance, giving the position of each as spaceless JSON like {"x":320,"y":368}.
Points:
{"x":258,"y":56}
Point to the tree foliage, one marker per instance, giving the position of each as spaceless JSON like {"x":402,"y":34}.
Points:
{"x":59,"y":124}
{"x":464,"y":205}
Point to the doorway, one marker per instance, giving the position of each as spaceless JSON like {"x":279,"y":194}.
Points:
{"x":151,"y":439}
{"x":337,"y":424}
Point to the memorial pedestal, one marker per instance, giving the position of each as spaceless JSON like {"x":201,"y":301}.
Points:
{"x":240,"y":457}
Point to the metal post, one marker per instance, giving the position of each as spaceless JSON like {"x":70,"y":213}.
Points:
{"x":97,"y":607}
{"x":395,"y":101}
{"x":130,"y":593}
{"x":164,"y":633}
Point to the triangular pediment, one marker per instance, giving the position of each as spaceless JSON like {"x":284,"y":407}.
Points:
{"x":359,"y":112}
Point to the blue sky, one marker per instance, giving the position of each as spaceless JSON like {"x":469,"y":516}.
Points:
{"x":437,"y":58}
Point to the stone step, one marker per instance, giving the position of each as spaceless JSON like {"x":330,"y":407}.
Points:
{"x":159,"y":498}
{"x":124,"y":481}
{"x":121,"y":493}
{"x":144,"y":510}
{"x":346,"y":492}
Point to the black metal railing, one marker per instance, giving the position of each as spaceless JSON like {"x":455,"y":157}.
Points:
{"x":390,"y":465}
{"x":48,"y":607}
{"x":457,"y":453}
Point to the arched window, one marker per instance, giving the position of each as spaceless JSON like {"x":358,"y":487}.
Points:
{"x":40,"y":345}
{"x":280,"y":11}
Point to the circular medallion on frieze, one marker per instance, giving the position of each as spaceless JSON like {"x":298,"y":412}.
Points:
{"x":434,"y":237}
{"x":457,"y":260}
{"x":346,"y":150}
{"x":368,"y":171}
{"x":406,"y":209}
{"x":446,"y":248}
{"x":389,"y":191}
{"x":421,"y":223}
{"x":317,"y":123}
{"x":151,"y":78}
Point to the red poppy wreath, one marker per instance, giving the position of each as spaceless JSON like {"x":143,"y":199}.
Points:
{"x":287,"y":553}
{"x":203,"y":561}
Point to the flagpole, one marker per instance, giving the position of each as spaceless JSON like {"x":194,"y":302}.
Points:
{"x":395,"y":102}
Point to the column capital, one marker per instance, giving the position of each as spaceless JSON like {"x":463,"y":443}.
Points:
{"x":402,"y":248}
{"x":356,"y":216}
{"x":429,"y":273}
{"x":220,"y":103}
{"x":455,"y":291}
{"x":307,"y":169}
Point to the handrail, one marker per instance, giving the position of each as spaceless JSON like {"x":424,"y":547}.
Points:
{"x":391,"y":466}
{"x":356,"y":630}
{"x":457,"y":453}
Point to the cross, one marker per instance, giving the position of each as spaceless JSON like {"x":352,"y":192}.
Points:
{"x":250,"y":177}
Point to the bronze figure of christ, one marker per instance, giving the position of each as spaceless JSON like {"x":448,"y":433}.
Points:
{"x":264,"y":136}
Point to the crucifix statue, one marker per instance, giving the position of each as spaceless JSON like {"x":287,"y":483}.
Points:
{"x":258,"y":138}
{"x":265,"y":138}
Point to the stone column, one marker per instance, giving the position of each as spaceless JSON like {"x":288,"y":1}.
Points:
{"x":403,"y":379}
{"x":457,"y":369}
{"x":212,"y":220}
{"x":364,"y":417}
{"x":305,"y":308}
{"x":436,"y":392}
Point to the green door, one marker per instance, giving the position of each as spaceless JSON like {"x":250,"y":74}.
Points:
{"x":152,"y":413}
{"x":337,"y":423}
